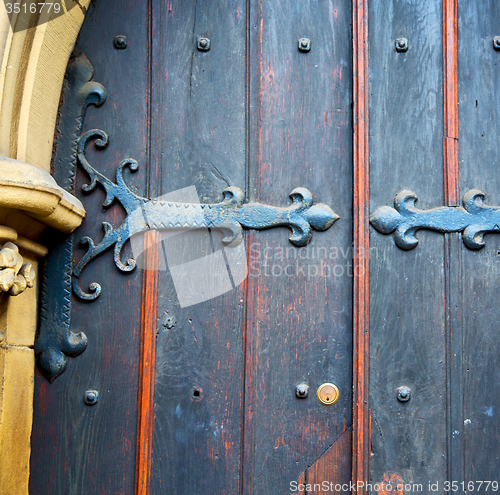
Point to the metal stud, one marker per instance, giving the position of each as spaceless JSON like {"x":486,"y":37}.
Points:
{"x":120,"y":42}
{"x":496,"y":42}
{"x":91,"y":397}
{"x":203,"y":44}
{"x":304,"y":44}
{"x":404,"y":394}
{"x":302,"y":390}
{"x":401,"y":44}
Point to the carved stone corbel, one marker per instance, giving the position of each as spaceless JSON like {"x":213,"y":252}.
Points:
{"x":15,"y":275}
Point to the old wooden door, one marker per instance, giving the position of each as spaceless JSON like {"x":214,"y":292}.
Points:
{"x":217,"y":411}
{"x":199,"y":395}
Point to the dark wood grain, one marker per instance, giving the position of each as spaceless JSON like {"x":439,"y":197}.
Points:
{"x":198,"y":139}
{"x":407,"y":315}
{"x":334,"y":467}
{"x":76,"y":448}
{"x":299,"y":326}
{"x":479,"y":104}
{"x":361,"y":410}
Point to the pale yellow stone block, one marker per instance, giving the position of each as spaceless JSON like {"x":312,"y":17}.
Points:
{"x":16,"y":411}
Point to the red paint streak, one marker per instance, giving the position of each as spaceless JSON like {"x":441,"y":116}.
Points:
{"x":450,"y":110}
{"x":43,"y":399}
{"x":300,"y":481}
{"x":396,"y":485}
{"x":361,"y":414}
{"x":148,"y":361}
{"x":238,"y":12}
{"x":252,"y":287}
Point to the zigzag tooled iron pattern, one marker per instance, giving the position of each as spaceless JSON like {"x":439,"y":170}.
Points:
{"x":55,"y":341}
{"x":474,"y":219}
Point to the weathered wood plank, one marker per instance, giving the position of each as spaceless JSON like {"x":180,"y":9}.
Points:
{"x":299,"y":325}
{"x":479,"y":103}
{"x":198,"y":139}
{"x":76,"y":448}
{"x":407,"y":344}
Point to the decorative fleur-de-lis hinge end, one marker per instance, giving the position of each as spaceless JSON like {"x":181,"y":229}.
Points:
{"x":231,"y":215}
{"x":473,"y":220}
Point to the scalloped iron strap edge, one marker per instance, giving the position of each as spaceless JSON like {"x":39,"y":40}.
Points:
{"x":473,"y":220}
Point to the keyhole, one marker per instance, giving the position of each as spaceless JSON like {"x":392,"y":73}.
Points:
{"x":328,"y":394}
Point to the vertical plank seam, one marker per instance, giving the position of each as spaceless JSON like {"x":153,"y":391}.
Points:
{"x":251,"y":283}
{"x":147,"y":362}
{"x":244,"y":381}
{"x":361,"y":422}
{"x":149,"y":95}
{"x":452,"y":251}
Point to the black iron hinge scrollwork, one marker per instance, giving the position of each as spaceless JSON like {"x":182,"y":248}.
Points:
{"x":231,"y":215}
{"x":474,"y":219}
{"x":55,"y":342}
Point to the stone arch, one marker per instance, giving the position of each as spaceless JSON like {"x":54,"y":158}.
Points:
{"x":34,"y":52}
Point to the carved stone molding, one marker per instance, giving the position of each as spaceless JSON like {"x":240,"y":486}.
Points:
{"x":30,"y":189}
{"x":32,"y":66}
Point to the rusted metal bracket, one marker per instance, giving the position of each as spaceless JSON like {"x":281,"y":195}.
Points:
{"x":231,"y":215}
{"x":474,"y":219}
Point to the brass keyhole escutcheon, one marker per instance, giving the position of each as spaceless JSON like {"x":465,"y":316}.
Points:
{"x":328,"y":394}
